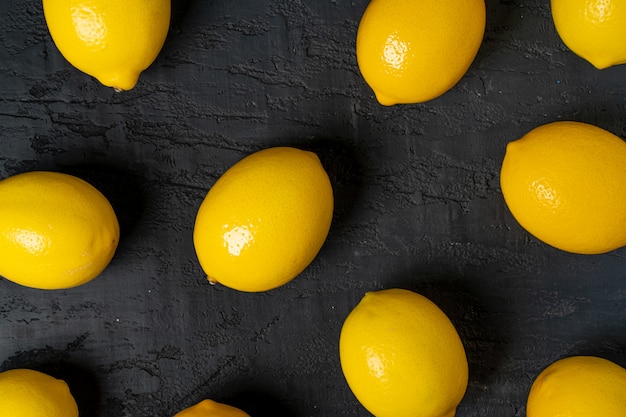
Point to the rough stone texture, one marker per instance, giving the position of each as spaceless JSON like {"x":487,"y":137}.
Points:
{"x":418,"y":206}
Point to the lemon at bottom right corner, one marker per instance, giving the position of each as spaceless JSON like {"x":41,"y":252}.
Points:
{"x":402,"y":356}
{"x":579,"y":386}
{"x":565,"y":183}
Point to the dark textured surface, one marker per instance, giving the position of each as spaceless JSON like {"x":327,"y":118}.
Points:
{"x":417,"y":196}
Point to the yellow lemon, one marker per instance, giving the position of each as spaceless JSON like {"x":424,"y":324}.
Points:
{"x":264,"y":220}
{"x":593,"y":29}
{"x":411,"y":51}
{"x":402,"y":356}
{"x":56,"y":230}
{"x":111,"y":40}
{"x":29,"y":393}
{"x":565,"y":183}
{"x":579,"y":386}
{"x":210,"y":408}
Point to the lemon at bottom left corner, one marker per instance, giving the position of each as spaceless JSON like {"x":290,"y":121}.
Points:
{"x":210,"y":408}
{"x":57,"y":231}
{"x":30,"y":393}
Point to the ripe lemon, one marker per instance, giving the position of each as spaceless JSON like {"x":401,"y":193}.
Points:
{"x":402,"y":357}
{"x":565,"y":183}
{"x":111,"y":40}
{"x":411,"y":51}
{"x":579,"y":386}
{"x":264,"y":220}
{"x":56,"y":230}
{"x":29,"y":393}
{"x":210,"y":408}
{"x":593,"y":29}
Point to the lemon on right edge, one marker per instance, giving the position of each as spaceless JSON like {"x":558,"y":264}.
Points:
{"x":210,"y":408}
{"x":412,"y":51}
{"x":402,"y":357}
{"x":579,"y":386}
{"x":565,"y":183}
{"x":593,"y":29}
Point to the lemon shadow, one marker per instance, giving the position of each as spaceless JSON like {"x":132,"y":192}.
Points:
{"x":343,"y":162}
{"x":124,"y":190}
{"x":482,"y":329}
{"x":257,"y":401}
{"x":607,"y":345}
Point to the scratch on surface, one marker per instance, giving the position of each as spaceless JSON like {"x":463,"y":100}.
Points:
{"x":260,"y":334}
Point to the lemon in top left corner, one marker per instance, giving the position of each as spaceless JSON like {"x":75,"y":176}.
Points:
{"x":111,"y":40}
{"x":57,"y":231}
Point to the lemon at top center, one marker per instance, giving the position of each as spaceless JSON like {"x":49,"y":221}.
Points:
{"x":264,"y":220}
{"x":111,"y":40}
{"x":411,"y":51}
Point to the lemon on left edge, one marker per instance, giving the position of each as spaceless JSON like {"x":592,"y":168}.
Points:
{"x":111,"y":40}
{"x":30,"y":393}
{"x":56,"y":230}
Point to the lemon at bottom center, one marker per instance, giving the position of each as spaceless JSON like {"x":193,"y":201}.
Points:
{"x":402,"y":356}
{"x":210,"y":408}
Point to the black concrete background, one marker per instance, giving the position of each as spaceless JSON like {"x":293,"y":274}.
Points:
{"x":418,"y":206}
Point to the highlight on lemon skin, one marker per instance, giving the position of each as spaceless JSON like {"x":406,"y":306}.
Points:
{"x":57,"y":231}
{"x":565,"y":183}
{"x":210,"y":408}
{"x":412,"y":51}
{"x":402,"y":356}
{"x":595,"y":30}
{"x":264,"y":220}
{"x":578,"y":386}
{"x":111,"y":40}
{"x":30,"y":393}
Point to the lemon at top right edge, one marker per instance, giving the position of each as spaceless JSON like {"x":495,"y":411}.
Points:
{"x":565,"y":183}
{"x":579,"y":386}
{"x":412,"y":51}
{"x":593,"y":29}
{"x":402,"y":356}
